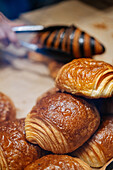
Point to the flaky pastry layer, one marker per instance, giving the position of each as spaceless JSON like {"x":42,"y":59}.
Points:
{"x":99,"y":149}
{"x":61,"y":122}
{"x":86,"y":77}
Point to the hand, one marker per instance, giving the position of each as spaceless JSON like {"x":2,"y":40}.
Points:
{"x":7,"y":36}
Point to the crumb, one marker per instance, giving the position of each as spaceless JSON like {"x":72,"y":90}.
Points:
{"x":100,"y":26}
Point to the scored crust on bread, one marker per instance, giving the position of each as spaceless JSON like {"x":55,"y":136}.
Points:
{"x":99,"y":149}
{"x":61,"y":122}
{"x":62,"y":162}
{"x":86,"y":77}
{"x":7,"y":108}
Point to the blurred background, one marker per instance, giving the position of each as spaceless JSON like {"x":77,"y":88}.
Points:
{"x":13,"y":8}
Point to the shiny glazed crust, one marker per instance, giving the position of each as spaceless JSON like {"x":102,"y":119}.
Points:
{"x":61,"y":123}
{"x":15,"y":151}
{"x":62,"y":162}
{"x":86,"y":77}
{"x":7,"y":108}
{"x":99,"y":149}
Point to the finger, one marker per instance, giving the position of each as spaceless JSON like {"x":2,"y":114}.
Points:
{"x":7,"y":33}
{"x":11,"y":36}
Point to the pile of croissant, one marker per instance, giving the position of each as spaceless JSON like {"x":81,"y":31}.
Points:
{"x":66,"y":129}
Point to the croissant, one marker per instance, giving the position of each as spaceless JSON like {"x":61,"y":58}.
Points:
{"x":69,"y":39}
{"x":7,"y":108}
{"x":99,"y":149}
{"x":61,"y":162}
{"x":86,"y":77}
{"x":15,"y":152}
{"x":61,"y":123}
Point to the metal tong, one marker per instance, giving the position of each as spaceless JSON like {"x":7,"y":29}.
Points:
{"x":28,"y":29}
{"x":34,"y":47}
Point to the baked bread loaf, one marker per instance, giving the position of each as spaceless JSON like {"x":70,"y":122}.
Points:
{"x":62,"y":162}
{"x":86,"y":77}
{"x":61,"y":123}
{"x":15,"y":152}
{"x":99,"y":149}
{"x":7,"y":108}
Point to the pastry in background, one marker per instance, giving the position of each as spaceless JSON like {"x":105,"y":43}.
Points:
{"x":61,"y":123}
{"x":86,"y":77}
{"x":52,"y":64}
{"x":99,"y":148}
{"x":7,"y":108}
{"x":37,"y":57}
{"x":61,"y":162}
{"x":15,"y":151}
{"x":69,"y":39}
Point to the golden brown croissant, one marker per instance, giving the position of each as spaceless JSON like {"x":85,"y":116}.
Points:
{"x":7,"y":108}
{"x":99,"y":149}
{"x":15,"y":152}
{"x":62,"y":162}
{"x":86,"y":77}
{"x":61,"y":122}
